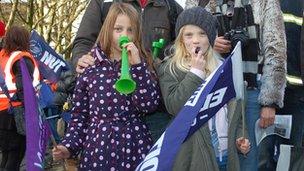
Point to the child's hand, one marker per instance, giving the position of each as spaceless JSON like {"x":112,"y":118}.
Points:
{"x":243,"y":145}
{"x":198,"y":60}
{"x":60,"y":152}
{"x":133,"y":53}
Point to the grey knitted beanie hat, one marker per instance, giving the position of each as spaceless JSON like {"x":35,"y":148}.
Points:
{"x":198,"y":16}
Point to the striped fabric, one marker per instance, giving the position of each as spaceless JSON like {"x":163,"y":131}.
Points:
{"x":293,"y":20}
{"x":242,"y":17}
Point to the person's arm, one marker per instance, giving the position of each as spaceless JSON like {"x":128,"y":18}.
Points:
{"x":18,"y":75}
{"x":273,"y":46}
{"x":179,"y":8}
{"x":64,"y":87}
{"x":176,"y":92}
{"x":88,"y":30}
{"x":75,"y":134}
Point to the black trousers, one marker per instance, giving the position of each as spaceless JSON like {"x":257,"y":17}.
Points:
{"x":293,"y":105}
{"x":13,"y":153}
{"x":12,"y":144}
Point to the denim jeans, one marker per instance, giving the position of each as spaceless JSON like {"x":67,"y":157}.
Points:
{"x":250,"y":161}
{"x":293,"y":105}
{"x":222,"y":165}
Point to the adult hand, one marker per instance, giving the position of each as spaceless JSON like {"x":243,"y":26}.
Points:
{"x":221,"y":45}
{"x":198,"y":60}
{"x":60,"y":152}
{"x":243,"y":145}
{"x":133,"y":53}
{"x":83,"y":62}
{"x":267,"y":116}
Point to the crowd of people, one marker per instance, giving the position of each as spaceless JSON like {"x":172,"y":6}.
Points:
{"x":110,"y":130}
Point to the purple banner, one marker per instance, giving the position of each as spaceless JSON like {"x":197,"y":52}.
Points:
{"x":37,"y":130}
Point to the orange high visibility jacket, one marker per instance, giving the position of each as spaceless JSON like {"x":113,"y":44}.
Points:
{"x":6,"y":65}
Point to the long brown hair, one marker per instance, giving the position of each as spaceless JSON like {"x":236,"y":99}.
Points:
{"x":106,"y":33}
{"x":16,"y":38}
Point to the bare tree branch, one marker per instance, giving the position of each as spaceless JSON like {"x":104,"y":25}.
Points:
{"x":53,"y":19}
{"x":30,"y":13}
{"x":12,"y":14}
{"x":21,"y":17}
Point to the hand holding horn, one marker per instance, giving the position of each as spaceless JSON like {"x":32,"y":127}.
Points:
{"x":125,"y":84}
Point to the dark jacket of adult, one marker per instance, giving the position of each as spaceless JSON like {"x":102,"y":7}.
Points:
{"x":292,"y":13}
{"x":157,"y":22}
{"x":65,"y":87}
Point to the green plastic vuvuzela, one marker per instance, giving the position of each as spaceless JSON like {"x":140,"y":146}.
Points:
{"x":125,"y":84}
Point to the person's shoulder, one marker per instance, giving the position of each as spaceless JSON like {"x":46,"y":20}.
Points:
{"x":163,"y":68}
{"x":166,"y":61}
{"x":98,"y":54}
{"x":25,"y":56}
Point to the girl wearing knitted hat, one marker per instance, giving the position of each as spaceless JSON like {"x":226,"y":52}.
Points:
{"x":215,"y":145}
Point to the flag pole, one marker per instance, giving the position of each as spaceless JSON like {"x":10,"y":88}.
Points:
{"x":63,"y":162}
